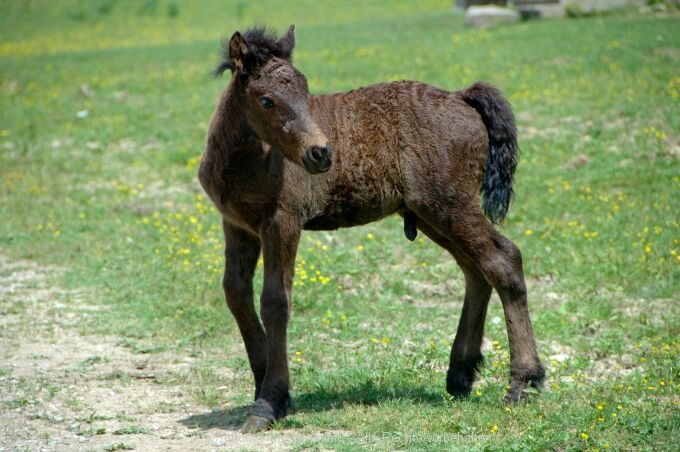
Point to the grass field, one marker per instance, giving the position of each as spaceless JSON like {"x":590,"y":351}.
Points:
{"x":104,"y":108}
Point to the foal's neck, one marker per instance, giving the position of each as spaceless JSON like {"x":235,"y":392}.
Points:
{"x":229,"y":127}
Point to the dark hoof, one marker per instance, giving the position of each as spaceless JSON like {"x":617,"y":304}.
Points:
{"x":461,"y":376}
{"x":256,"y":424}
{"x":516,"y":390}
{"x":459,"y":388}
{"x":259,"y":418}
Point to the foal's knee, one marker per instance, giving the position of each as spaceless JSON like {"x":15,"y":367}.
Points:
{"x":505,"y":268}
{"x":274,"y":307}
{"x":237,"y":292}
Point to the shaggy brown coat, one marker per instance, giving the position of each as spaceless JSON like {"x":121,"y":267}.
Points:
{"x":279,"y":160}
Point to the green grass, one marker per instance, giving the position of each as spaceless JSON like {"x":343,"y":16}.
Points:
{"x":103,"y":112}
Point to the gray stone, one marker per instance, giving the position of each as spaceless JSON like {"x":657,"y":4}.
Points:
{"x":587,"y":7}
{"x":462,"y":5}
{"x":489,"y":16}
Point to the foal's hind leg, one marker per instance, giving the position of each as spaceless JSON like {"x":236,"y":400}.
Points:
{"x":242,"y":252}
{"x":466,"y":355}
{"x":500,"y":261}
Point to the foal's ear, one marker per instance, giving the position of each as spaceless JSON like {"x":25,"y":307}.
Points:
{"x":287,"y":43}
{"x":239,"y":53}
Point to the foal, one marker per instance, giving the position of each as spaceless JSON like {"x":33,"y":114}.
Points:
{"x":279,"y":160}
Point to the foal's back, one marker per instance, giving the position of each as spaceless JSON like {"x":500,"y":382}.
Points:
{"x":390,"y":141}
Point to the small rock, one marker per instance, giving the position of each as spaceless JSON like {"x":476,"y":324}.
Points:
{"x":576,"y":162}
{"x":552,"y":296}
{"x":560,"y":357}
{"x":659,"y":7}
{"x":12,"y":87}
{"x":85,"y":91}
{"x":141,"y":364}
{"x":579,"y":8}
{"x":346,"y":282}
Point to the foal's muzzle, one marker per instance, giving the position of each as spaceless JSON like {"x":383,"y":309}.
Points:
{"x":318,"y":159}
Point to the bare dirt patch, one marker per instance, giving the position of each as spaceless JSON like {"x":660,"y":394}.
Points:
{"x":61,"y":390}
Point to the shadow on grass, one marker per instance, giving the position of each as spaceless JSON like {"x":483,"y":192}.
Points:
{"x":229,"y":419}
{"x":366,"y":393}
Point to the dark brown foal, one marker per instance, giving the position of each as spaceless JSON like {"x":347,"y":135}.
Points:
{"x":279,"y":160}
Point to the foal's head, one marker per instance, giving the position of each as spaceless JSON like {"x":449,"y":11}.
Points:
{"x":273,"y":97}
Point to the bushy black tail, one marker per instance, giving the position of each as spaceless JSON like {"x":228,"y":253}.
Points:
{"x":497,"y":116}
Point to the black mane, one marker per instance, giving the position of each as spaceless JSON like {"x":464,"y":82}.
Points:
{"x":262,"y":44}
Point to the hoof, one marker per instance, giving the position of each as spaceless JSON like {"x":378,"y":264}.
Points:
{"x":256,"y":424}
{"x":461,"y":376}
{"x":520,"y":396}
{"x":516,"y":390}
{"x":459,"y":389}
{"x":259,"y":418}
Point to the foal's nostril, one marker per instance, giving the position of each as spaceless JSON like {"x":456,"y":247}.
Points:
{"x":317,"y":159}
{"x":318,"y":153}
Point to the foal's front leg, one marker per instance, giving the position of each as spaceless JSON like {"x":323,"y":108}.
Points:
{"x":242,"y":252}
{"x":280,"y":237}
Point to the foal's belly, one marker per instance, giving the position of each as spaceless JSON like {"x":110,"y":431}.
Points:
{"x":353,"y":213}
{"x":363,"y":186}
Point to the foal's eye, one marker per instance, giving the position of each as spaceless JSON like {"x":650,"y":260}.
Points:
{"x":266,"y":102}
